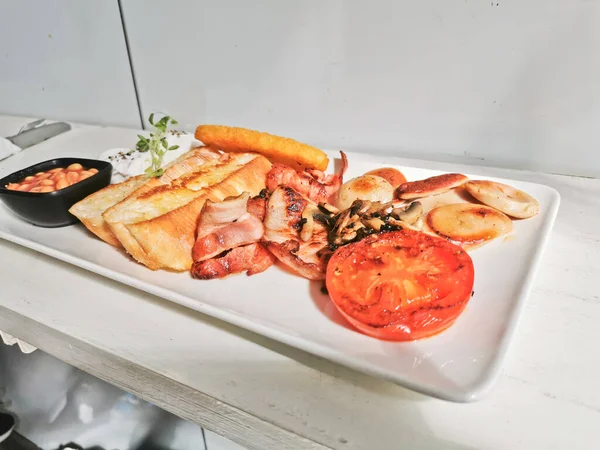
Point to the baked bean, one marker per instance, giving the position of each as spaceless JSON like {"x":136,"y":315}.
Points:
{"x":54,"y":179}
{"x":62,"y":183}
{"x":72,"y":177}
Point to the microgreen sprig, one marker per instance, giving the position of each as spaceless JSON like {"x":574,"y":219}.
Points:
{"x":156,"y":144}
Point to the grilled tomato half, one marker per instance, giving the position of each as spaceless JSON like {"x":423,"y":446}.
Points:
{"x":401,"y":285}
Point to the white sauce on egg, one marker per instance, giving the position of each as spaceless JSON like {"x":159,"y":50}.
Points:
{"x":129,"y":163}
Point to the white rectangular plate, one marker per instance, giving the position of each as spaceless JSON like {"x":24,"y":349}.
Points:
{"x":460,"y":364}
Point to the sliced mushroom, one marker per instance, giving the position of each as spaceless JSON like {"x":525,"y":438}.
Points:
{"x":374,"y":223}
{"x":395,"y":222}
{"x":366,"y":205}
{"x":343,"y":219}
{"x":307,"y":228}
{"x":406,"y":225}
{"x":365,"y":217}
{"x":386,"y":209}
{"x":410,"y":213}
{"x":358,"y":225}
{"x":348,"y":236}
{"x":356,"y":205}
{"x":308,"y":222}
{"x":329,"y":208}
{"x":323,"y":218}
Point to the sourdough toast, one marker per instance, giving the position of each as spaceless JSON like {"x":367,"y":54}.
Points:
{"x":157,"y":223}
{"x":89,"y":210}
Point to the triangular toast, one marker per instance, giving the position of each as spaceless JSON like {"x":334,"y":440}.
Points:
{"x":157,"y":223}
{"x":89,"y":210}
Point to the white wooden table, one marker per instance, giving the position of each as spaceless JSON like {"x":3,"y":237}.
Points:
{"x":265,"y":395}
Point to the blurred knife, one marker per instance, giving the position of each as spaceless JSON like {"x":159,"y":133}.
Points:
{"x":30,"y":125}
{"x":40,"y":134}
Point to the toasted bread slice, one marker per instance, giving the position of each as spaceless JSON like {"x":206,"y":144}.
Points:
{"x":89,"y":210}
{"x":184,"y":165}
{"x":157,"y":224}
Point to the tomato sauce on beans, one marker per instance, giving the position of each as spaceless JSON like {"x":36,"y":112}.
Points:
{"x":53,"y":180}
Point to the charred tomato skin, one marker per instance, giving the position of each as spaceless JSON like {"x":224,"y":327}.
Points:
{"x":400,"y":285}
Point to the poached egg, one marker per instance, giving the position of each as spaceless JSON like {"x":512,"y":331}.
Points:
{"x":129,"y":163}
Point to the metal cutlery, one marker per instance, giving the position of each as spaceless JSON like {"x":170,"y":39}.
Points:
{"x":33,"y":136}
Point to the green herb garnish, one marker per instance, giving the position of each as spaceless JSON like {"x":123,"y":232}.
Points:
{"x":156,"y":144}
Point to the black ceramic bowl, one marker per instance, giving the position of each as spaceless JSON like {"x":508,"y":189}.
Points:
{"x":51,"y":209}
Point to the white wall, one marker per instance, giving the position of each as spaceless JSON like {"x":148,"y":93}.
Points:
{"x":66,"y":60}
{"x":503,"y":82}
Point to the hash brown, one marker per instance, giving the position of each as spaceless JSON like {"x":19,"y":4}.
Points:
{"x":277,"y":149}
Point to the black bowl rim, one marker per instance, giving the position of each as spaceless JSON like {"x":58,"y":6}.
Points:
{"x":4,"y":181}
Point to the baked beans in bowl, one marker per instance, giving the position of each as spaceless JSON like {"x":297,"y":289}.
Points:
{"x":53,"y":179}
{"x":43,"y":193}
